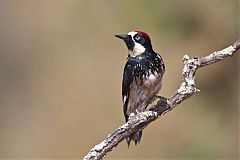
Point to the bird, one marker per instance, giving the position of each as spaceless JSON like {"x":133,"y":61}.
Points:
{"x":142,"y":76}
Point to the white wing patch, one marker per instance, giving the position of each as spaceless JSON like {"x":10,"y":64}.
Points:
{"x":124,"y":99}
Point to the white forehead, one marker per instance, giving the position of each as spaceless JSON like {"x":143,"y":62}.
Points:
{"x":132,"y":33}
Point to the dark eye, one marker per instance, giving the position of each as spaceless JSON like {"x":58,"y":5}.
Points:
{"x":137,"y":38}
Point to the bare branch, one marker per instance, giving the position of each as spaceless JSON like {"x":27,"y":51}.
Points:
{"x":141,"y":120}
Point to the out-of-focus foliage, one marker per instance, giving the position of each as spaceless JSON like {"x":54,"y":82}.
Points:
{"x":61,"y":71}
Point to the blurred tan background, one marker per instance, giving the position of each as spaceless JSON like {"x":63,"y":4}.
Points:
{"x":61,"y":71}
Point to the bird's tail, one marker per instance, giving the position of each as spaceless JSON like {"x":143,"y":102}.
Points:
{"x":136,"y":137}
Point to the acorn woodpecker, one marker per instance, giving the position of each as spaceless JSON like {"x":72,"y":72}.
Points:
{"x":142,"y":77}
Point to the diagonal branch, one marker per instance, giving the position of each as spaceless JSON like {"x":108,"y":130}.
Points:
{"x":141,"y":120}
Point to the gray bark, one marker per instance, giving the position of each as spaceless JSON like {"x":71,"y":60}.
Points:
{"x":141,"y":120}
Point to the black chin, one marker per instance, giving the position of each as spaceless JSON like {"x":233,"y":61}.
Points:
{"x":130,"y":44}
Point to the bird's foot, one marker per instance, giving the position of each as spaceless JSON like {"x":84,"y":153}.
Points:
{"x":161,"y":104}
{"x":162,"y":101}
{"x":161,"y":98}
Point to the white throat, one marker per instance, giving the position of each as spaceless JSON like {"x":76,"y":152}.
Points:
{"x":138,"y":48}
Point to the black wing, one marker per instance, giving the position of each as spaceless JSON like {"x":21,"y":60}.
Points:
{"x":126,"y":83}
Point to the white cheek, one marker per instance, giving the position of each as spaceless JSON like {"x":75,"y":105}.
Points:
{"x":138,"y":49}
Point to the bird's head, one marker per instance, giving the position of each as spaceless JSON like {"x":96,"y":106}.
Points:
{"x":137,"y":42}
